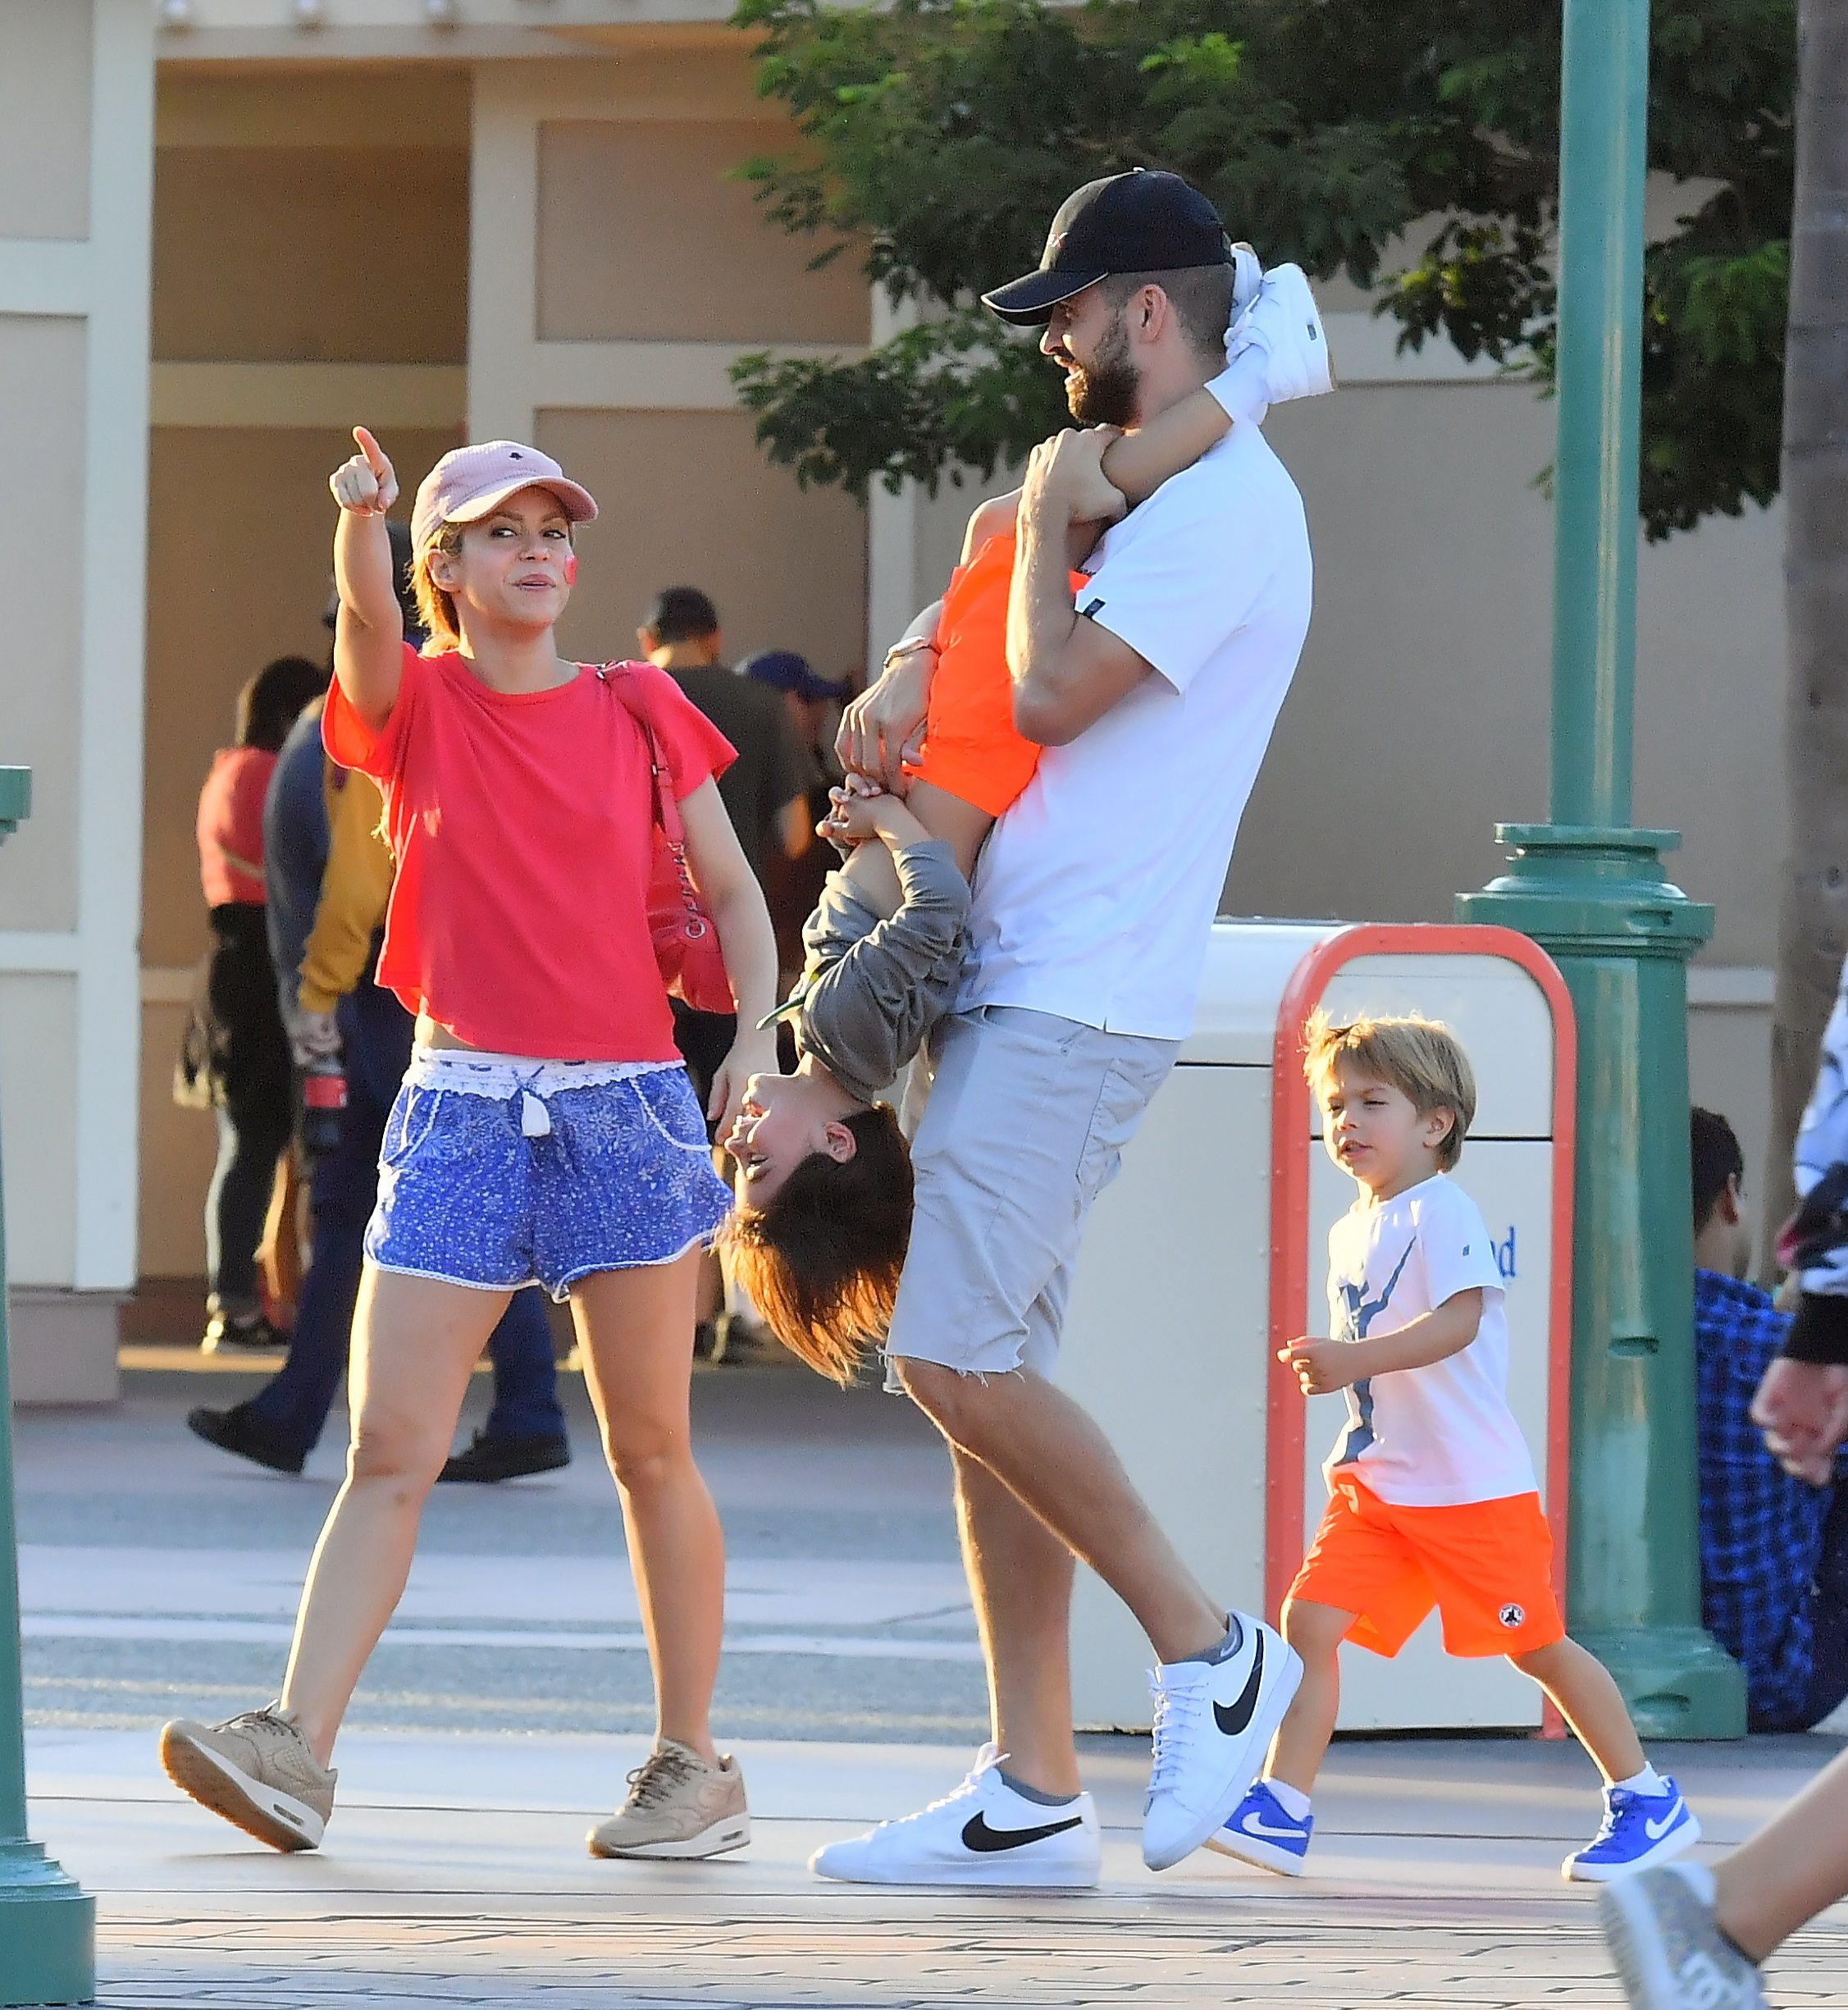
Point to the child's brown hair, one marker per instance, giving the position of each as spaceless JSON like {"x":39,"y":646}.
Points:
{"x":1422,"y":1058}
{"x":821,"y":1261}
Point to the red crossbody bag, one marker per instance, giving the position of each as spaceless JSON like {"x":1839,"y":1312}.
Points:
{"x":687,"y":947}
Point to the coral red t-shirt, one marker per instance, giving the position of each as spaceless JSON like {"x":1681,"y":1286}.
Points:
{"x":522,"y":826}
{"x":230,"y":827}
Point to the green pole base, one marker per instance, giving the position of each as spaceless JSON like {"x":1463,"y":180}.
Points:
{"x":1676,"y":1681}
{"x":48,"y":1931}
{"x":1597,"y":900}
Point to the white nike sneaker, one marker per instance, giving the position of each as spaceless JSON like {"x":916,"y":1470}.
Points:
{"x":1277,"y":349}
{"x":1213,"y":1724}
{"x":983,"y":1833}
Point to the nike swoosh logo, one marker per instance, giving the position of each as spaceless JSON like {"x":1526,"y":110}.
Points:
{"x":978,"y":1836}
{"x":1235,"y":1721}
{"x":1655,"y":1830}
{"x":1256,"y":1825}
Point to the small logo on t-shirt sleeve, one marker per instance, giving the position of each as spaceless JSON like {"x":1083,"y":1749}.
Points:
{"x":1095,"y":607}
{"x":1512,"y":1616}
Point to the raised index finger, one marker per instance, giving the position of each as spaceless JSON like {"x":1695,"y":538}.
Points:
{"x":369,"y":447}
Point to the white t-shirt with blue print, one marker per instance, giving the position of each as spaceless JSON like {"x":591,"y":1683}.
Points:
{"x":1444,"y":1435}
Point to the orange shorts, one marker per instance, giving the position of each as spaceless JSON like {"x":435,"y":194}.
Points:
{"x":1487,"y":1567}
{"x":972,"y":748}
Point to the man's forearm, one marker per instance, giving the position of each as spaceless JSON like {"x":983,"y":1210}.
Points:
{"x":1041,"y":615}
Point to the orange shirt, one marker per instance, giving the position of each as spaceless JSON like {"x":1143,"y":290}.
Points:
{"x":972,"y":748}
{"x":230,"y":827}
{"x":522,"y":826}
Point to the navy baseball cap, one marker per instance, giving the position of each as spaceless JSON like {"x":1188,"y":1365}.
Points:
{"x":783,"y":670}
{"x":1143,"y":221}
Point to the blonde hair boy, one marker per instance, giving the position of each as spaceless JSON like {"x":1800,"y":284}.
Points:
{"x":1421,"y":1058}
{"x":1433,"y":1500}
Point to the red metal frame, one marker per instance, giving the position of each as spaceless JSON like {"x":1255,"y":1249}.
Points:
{"x":1290,"y":1148}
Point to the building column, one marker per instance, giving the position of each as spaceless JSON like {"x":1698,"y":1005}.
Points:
{"x":76,"y":173}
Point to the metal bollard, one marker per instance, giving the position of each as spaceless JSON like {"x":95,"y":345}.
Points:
{"x":47,"y":1926}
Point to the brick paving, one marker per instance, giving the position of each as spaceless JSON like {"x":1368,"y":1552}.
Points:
{"x":903,"y":1951}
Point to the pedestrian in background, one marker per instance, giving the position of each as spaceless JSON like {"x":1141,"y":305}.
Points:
{"x":235,"y":1056}
{"x":765,"y":791}
{"x":792,"y":882}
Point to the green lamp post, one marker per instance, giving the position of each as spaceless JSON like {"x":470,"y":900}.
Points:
{"x":47,"y":1927}
{"x":1591,"y":890}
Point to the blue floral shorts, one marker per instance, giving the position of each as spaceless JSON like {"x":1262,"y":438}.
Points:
{"x":498,"y":1172}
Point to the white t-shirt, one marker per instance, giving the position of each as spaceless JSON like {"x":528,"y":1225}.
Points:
{"x":1096,"y":892}
{"x":1443,"y":1434}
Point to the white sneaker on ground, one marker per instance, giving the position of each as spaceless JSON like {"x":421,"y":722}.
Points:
{"x":1277,"y":350}
{"x":1668,"y":1949}
{"x":1213,"y":1724}
{"x":983,"y":1833}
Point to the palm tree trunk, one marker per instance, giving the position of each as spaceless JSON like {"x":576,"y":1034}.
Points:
{"x":1813,"y":919}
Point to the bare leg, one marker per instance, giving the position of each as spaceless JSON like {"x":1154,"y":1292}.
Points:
{"x":636,"y":1330}
{"x":1316,"y":1632}
{"x":1053,"y":1459}
{"x":1588,"y":1699}
{"x":1789,"y":1871}
{"x":415,"y":1341}
{"x":1021,"y":1574}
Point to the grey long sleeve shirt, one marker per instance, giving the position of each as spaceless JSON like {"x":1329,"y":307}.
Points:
{"x":874,"y":986}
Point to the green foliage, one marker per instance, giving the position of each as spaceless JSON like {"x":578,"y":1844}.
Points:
{"x":1412,"y":146}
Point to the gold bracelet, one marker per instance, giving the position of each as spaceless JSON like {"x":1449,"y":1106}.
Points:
{"x":909,"y":647}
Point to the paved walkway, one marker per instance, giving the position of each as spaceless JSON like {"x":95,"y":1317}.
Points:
{"x":511,"y":1699}
{"x":454,"y":1873}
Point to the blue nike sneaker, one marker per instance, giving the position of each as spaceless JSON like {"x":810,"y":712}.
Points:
{"x":1638,"y":1829}
{"x":1261,"y":1832}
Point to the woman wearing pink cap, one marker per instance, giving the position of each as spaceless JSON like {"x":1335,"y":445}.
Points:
{"x":545,"y":1133}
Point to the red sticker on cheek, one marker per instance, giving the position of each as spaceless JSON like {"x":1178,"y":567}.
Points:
{"x":571,"y":570}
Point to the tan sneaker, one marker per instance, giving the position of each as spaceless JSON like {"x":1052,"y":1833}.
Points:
{"x":257,"y":1771}
{"x":679,"y":1805}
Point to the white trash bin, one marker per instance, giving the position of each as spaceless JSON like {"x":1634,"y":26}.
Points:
{"x":1209,"y":1252}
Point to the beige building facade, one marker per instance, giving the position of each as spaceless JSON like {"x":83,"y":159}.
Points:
{"x":231,"y":228}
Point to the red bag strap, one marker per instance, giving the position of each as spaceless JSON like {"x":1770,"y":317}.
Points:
{"x":621,"y":678}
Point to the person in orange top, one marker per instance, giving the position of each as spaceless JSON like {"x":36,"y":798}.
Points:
{"x":235,"y":1057}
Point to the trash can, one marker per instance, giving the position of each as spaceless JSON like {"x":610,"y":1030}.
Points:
{"x":1209,"y":1251}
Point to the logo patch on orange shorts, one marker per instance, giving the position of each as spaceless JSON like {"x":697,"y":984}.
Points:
{"x":1512,"y":1616}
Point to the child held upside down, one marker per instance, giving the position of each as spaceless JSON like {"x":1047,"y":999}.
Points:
{"x":824,"y":1174}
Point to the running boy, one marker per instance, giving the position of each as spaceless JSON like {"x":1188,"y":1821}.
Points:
{"x":824,"y":1210}
{"x":1433,"y":1497}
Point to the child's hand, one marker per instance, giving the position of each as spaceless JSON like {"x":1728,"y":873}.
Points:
{"x":753,"y":1051}
{"x":365,"y":485}
{"x":858,"y":814}
{"x":1321,"y":1366}
{"x":1065,"y":474}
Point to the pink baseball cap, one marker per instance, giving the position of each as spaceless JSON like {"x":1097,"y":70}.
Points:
{"x":470,"y":482}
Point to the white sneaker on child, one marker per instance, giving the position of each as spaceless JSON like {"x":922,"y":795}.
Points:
{"x":1283,"y":325}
